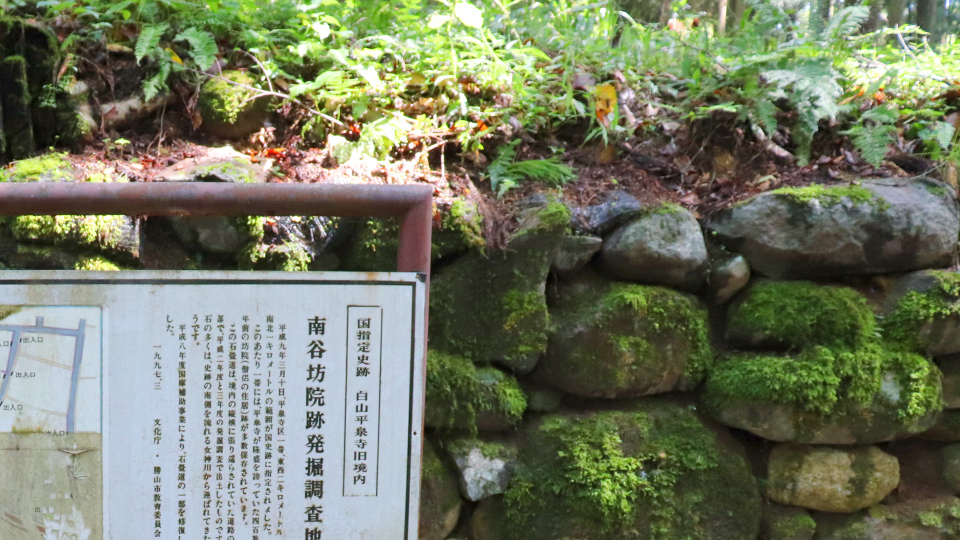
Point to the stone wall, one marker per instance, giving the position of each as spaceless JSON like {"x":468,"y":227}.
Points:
{"x":788,"y":368}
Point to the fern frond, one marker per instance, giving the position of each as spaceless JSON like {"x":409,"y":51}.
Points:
{"x":550,"y":171}
{"x":203,"y":48}
{"x":846,"y":22}
{"x":156,"y":84}
{"x":149,"y":39}
{"x":872,"y":142}
{"x":497,"y":170}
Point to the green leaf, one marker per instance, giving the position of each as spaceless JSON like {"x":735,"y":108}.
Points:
{"x":468,"y":14}
{"x":203,"y":48}
{"x":149,"y":39}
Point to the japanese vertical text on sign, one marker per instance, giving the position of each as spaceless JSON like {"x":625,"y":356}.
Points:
{"x":253,"y":406}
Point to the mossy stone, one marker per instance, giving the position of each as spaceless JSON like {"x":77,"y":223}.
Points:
{"x":52,"y":167}
{"x":439,"y":497}
{"x":650,"y":471}
{"x":464,"y":397}
{"x":826,"y":396}
{"x":493,"y":308}
{"x":15,"y":100}
{"x":922,"y":312}
{"x":787,"y":523}
{"x":116,"y":236}
{"x":877,"y":226}
{"x":929,"y":518}
{"x":457,"y":230}
{"x":827,"y":479}
{"x":286,"y":257}
{"x":796,"y":314}
{"x":230,"y":111}
{"x":615,"y":340}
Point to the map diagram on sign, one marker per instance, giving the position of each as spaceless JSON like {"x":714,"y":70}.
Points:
{"x":50,"y":369}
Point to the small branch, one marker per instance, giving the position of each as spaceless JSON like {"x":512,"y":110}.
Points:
{"x":259,"y":93}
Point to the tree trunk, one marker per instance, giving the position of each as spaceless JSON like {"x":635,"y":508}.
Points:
{"x":739,"y":9}
{"x":928,"y":11}
{"x":872,"y":24}
{"x":664,"y":13}
{"x":895,"y":12}
{"x":722,"y":17}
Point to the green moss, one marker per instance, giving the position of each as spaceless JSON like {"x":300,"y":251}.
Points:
{"x":799,"y":525}
{"x":819,"y":380}
{"x":92,"y":231}
{"x":52,"y":167}
{"x":227,"y":108}
{"x":488,"y":449}
{"x":97,"y":264}
{"x":286,"y":257}
{"x":832,"y":195}
{"x":550,"y":219}
{"x":461,"y":229}
{"x":374,"y":247}
{"x":612,"y":339}
{"x":800,"y":313}
{"x":654,"y":473}
{"x":916,"y":308}
{"x":459,"y":394}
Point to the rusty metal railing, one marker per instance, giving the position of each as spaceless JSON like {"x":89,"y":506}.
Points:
{"x":413,"y":204}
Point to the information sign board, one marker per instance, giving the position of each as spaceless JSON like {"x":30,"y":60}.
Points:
{"x":213,"y":406}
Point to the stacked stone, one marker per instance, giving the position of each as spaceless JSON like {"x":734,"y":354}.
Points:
{"x":616,"y":339}
{"x":616,"y":372}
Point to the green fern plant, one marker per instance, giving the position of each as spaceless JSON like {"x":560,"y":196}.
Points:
{"x":505,"y":173}
{"x":201,"y":46}
{"x":875,"y":131}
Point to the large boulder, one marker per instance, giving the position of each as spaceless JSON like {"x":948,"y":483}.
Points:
{"x":922,"y":312}
{"x":651,"y":470}
{"x":664,"y":246}
{"x":797,"y":314}
{"x":615,"y":340}
{"x":839,"y":480}
{"x":493,"y":307}
{"x":439,"y":497}
{"x":880,"y":226}
{"x":826,"y":396}
{"x":464,"y":397}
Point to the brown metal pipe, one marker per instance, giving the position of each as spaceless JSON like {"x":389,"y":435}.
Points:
{"x":209,"y":198}
{"x":413,"y":204}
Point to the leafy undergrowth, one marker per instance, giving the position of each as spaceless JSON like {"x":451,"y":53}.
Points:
{"x":502,"y":100}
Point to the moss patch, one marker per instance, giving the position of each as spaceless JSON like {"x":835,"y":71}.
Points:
{"x":831,"y":195}
{"x":376,"y":241}
{"x":653,"y":472}
{"x":613,"y":339}
{"x":461,"y":396}
{"x":797,"y":314}
{"x":821,"y":380}
{"x":98,"y":264}
{"x":52,"y":167}
{"x":227,"y":109}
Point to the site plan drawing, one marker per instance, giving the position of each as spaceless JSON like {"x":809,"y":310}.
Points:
{"x":50,"y":369}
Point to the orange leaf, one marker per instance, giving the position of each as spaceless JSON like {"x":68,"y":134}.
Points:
{"x":606,"y":96}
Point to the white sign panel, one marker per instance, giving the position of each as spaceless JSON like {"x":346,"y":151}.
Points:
{"x":214,"y":406}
